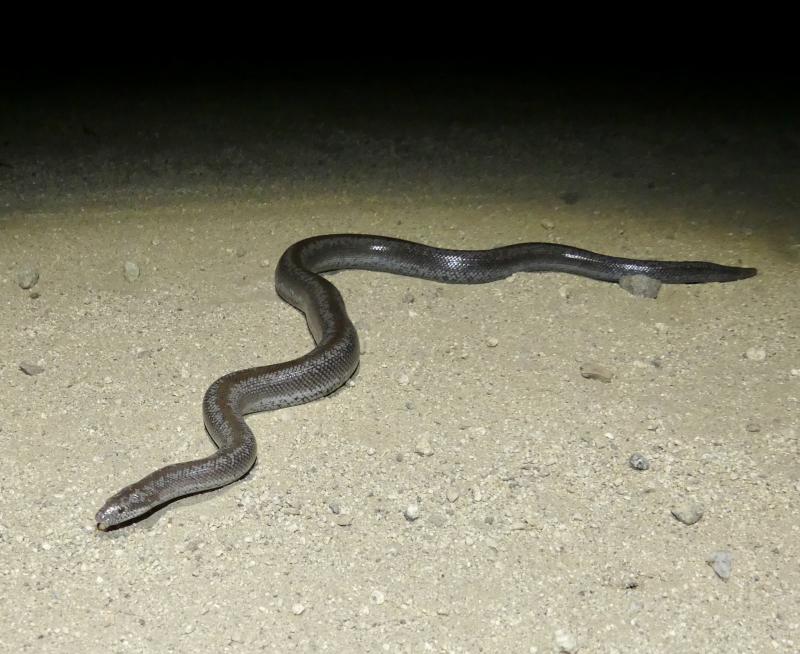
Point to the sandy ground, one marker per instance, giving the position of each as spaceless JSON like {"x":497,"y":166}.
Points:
{"x":534,"y":533}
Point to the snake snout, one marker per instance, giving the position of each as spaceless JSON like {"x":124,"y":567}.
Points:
{"x":119,"y":508}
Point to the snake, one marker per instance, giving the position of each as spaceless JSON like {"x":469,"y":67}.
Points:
{"x":335,"y":356}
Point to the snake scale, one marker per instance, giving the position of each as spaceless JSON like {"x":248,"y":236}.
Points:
{"x":335,"y":357}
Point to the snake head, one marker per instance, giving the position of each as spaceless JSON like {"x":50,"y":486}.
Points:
{"x":121,"y":507}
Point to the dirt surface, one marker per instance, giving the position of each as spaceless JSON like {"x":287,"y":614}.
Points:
{"x":533,"y":532}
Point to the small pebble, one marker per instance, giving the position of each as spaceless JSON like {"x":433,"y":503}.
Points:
{"x":408,"y":297}
{"x":452,"y":495}
{"x":721,"y":563}
{"x":752,"y":427}
{"x":566,"y":642}
{"x":335,"y":507}
{"x":131,"y":271}
{"x":27,"y":277}
{"x":640,"y":285}
{"x":639,"y":462}
{"x":344,"y":520}
{"x":423,"y":446}
{"x":298,"y":608}
{"x":688,"y":512}
{"x":596,"y":371}
{"x":547,"y":224}
{"x":756,"y":354}
{"x":30,"y":368}
{"x":629,"y":582}
{"x":412,"y":512}
{"x":565,"y":292}
{"x":492,"y":341}
{"x":377,"y":597}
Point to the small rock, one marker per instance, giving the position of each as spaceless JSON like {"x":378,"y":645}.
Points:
{"x":629,"y":581}
{"x":565,"y":292}
{"x":408,"y":297}
{"x":377,"y":597}
{"x":596,"y":371}
{"x":639,"y":462}
{"x":492,"y":341}
{"x":721,"y":563}
{"x":344,"y":520}
{"x":570,"y":197}
{"x":412,"y":512}
{"x":640,"y":285}
{"x":688,"y":512}
{"x":756,"y":354}
{"x":566,"y":642}
{"x":547,"y":224}
{"x":27,"y":277}
{"x":131,"y":271}
{"x":335,"y":507}
{"x":452,"y":495}
{"x":752,"y":427}
{"x":423,"y":446}
{"x":298,"y":608}
{"x":30,"y":368}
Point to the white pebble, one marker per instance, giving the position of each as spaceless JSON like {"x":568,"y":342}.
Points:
{"x":591,"y":370}
{"x":377,"y":597}
{"x":131,"y":271}
{"x":27,"y":277}
{"x":423,"y":446}
{"x":721,"y":563}
{"x":756,"y":354}
{"x":412,"y":512}
{"x":688,"y":512}
{"x":566,"y":642}
{"x":492,"y":341}
{"x":344,"y":520}
{"x":298,"y":608}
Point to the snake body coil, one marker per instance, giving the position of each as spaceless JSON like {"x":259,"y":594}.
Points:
{"x":335,"y":357}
